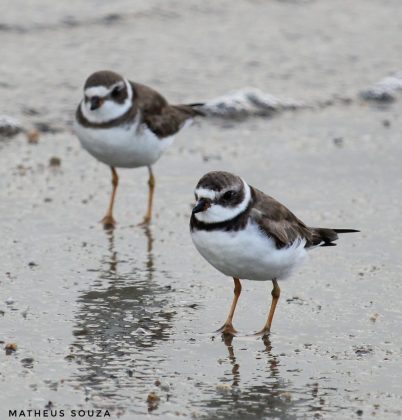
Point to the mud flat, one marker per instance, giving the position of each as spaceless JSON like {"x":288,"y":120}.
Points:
{"x":124,"y":321}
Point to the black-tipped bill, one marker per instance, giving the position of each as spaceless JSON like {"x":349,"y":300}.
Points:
{"x":96,"y":102}
{"x":202,"y":205}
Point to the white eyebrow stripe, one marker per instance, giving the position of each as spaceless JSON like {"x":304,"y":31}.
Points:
{"x":96,"y":91}
{"x":205,"y":193}
{"x":118,"y":84}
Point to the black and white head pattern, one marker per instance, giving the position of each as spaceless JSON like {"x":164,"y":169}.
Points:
{"x":221,"y":196}
{"x":107,"y":96}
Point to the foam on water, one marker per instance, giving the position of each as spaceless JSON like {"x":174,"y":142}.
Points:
{"x":385,"y":90}
{"x":248,"y":101}
{"x":9,"y":126}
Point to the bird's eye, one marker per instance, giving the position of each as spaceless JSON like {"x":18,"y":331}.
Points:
{"x":229,"y":195}
{"x":116,"y":92}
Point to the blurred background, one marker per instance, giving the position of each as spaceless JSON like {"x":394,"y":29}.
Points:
{"x":125,"y":320}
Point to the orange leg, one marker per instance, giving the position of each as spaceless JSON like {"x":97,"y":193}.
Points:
{"x":151,"y":184}
{"x":108,"y":221}
{"x":276,"y":292}
{"x":227,"y":327}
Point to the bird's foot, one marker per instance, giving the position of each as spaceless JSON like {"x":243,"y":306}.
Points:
{"x":227,"y":329}
{"x":265,"y":332}
{"x":146,"y":221}
{"x":108,"y":222}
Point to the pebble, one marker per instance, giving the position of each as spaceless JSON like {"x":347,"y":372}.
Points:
{"x":32,"y":136}
{"x":54,"y":161}
{"x":10,"y":348}
{"x":224,"y":387}
{"x":152,"y":397}
{"x":152,"y":400}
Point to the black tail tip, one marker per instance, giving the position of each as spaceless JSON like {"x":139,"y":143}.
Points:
{"x":346,"y":230}
{"x":196,"y":104}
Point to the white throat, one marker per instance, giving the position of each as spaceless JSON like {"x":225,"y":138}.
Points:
{"x":217,"y":213}
{"x":109,"y":110}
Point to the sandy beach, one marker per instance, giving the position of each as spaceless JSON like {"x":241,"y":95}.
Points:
{"x":101,"y":320}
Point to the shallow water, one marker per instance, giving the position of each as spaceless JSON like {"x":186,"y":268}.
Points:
{"x":103,"y":319}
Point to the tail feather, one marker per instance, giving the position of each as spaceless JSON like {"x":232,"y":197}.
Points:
{"x":192,"y":109}
{"x":326,"y":237}
{"x":196,"y":104}
{"x":345,"y":230}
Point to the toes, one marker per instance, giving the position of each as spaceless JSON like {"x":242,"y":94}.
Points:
{"x":263,"y":333}
{"x":227,"y":329}
{"x":145,"y":222}
{"x":108,"y":223}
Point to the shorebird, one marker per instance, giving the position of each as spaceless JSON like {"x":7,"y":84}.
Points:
{"x":246,"y":234}
{"x":127,"y":125}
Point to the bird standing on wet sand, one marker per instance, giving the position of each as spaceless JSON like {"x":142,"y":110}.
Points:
{"x":127,"y":125}
{"x":247,"y":234}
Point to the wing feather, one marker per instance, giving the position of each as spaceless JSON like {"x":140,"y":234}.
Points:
{"x":278,"y":222}
{"x":163,"y":119}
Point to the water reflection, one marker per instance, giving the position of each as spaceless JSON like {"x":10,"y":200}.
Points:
{"x":150,"y":258}
{"x":267,"y":398}
{"x":228,"y":340}
{"x":120,"y":320}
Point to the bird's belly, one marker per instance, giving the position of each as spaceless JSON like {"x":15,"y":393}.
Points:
{"x":248,"y":254}
{"x":127,"y":146}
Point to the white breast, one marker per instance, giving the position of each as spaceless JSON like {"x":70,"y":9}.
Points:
{"x":129,"y":146}
{"x":248,"y":253}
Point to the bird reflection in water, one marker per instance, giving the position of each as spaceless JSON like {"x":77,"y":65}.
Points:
{"x":264,"y":395}
{"x":228,"y":340}
{"x":112,"y":259}
{"x":121,"y":320}
{"x":150,"y":244}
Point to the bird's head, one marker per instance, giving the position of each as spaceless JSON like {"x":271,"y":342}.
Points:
{"x":220,"y":196}
{"x":107,"y":96}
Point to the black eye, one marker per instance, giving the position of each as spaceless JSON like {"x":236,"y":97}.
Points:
{"x":116,"y":92}
{"x":229,"y":195}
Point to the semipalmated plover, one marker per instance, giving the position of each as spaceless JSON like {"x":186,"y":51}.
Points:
{"x":127,"y":125}
{"x":247,"y":234}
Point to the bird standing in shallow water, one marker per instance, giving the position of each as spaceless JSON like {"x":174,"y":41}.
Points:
{"x":247,"y":234}
{"x":127,"y":125}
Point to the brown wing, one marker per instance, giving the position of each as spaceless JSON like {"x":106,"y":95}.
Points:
{"x":279,"y":222}
{"x":163,"y":119}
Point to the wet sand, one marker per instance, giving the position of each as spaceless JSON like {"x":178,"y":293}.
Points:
{"x":100,"y":319}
